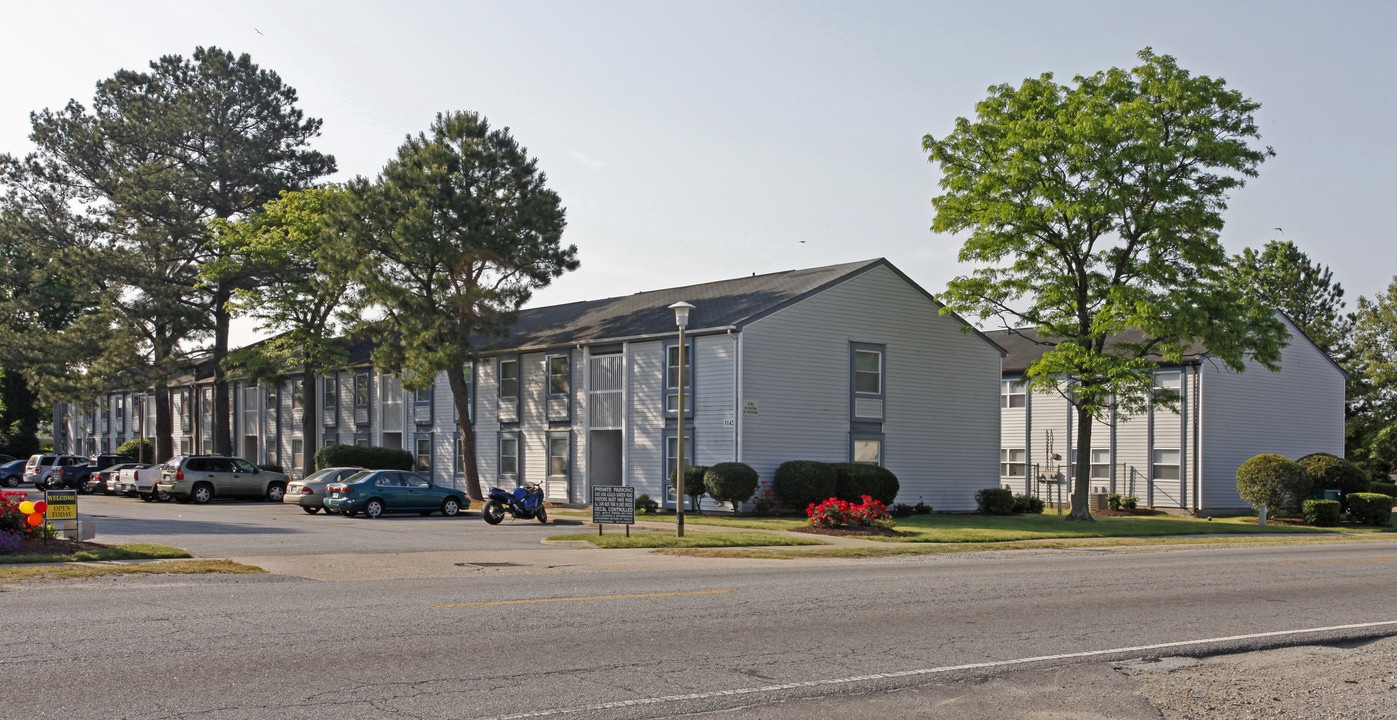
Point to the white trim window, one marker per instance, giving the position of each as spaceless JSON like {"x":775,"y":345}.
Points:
{"x":1164,"y":465}
{"x":509,"y":455}
{"x":559,"y":453}
{"x":509,"y":380}
{"x":1012,"y":394}
{"x":672,"y":378}
{"x":1013,"y":462}
{"x":424,"y":454}
{"x":868,"y":451}
{"x":298,"y":450}
{"x":1168,"y":384}
{"x":868,"y":372}
{"x":1101,"y":464}
{"x":559,"y":376}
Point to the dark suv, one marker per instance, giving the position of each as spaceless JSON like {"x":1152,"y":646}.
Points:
{"x":74,"y":477}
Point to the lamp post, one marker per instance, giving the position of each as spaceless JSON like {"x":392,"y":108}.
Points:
{"x":681,"y":318}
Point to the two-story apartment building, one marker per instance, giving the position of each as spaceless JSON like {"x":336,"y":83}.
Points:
{"x":1184,"y":457}
{"x":850,"y":362}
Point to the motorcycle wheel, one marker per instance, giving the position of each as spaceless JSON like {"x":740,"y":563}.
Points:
{"x":492,"y":512}
{"x":542,"y":516}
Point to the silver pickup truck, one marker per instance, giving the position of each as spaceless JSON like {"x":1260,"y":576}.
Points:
{"x":141,"y":483}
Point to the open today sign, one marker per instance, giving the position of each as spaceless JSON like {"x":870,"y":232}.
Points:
{"x":62,"y":504}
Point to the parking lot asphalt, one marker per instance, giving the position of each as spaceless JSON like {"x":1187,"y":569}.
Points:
{"x":281,"y":538}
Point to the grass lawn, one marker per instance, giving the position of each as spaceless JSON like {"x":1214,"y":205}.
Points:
{"x":949,"y":528}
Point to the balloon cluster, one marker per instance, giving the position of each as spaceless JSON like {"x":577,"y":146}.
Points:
{"x":33,"y":512}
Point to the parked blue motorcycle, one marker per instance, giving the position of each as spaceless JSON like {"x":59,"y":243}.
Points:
{"x":524,"y":503}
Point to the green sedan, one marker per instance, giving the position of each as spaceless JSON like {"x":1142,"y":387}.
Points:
{"x":375,"y":492}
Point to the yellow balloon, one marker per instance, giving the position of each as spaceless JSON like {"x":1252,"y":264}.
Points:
{"x":26,"y":507}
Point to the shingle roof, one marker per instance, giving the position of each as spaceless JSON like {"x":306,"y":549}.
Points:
{"x":1022,"y":346}
{"x":718,"y":305}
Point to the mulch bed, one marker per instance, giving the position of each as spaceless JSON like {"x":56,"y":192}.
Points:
{"x":1140,"y":512}
{"x":56,"y":546}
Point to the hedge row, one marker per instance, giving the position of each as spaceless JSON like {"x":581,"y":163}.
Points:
{"x":364,"y":456}
{"x":799,"y":483}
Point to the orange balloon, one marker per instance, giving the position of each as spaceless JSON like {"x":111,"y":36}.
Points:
{"x":41,"y":507}
{"x":26,"y":507}
{"x":35,"y":520}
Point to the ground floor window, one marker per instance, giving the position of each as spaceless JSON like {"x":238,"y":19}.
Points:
{"x":559,"y":452}
{"x":1012,"y":462}
{"x":509,"y":455}
{"x":1165,"y":465}
{"x":298,"y":450}
{"x":424,"y":454}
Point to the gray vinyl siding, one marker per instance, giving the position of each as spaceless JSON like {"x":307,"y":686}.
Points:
{"x":645,"y":422}
{"x":942,"y":424}
{"x":1294,"y":412}
{"x":487,"y":425}
{"x":714,"y":399}
{"x":533,"y":422}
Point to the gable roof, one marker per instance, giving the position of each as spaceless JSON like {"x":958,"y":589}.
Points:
{"x":718,"y":306}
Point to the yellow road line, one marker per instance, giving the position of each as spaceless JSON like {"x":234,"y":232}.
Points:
{"x":1327,"y":562}
{"x":578,"y":599}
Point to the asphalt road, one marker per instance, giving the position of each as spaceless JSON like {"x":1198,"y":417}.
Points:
{"x":970,"y":636}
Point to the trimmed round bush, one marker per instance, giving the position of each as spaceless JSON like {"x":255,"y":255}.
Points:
{"x":1321,"y":513}
{"x":1274,"y":481}
{"x":140,"y":448}
{"x":1370,"y":508}
{"x":364,"y":456}
{"x":693,"y":483}
{"x":1028,"y":504}
{"x":854,"y":480}
{"x":995,"y":501}
{"x":731,"y":482}
{"x":1385,"y":488}
{"x":801,"y":483}
{"x":1331,"y":472}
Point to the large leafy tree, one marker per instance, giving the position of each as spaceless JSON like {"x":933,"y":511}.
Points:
{"x":448,"y":243}
{"x":1372,"y":370}
{"x":1283,"y":276}
{"x":287,"y":245}
{"x":1093,"y":212}
{"x":161,"y":154}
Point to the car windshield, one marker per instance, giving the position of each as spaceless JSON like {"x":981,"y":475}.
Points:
{"x":356,"y":477}
{"x":321,"y":475}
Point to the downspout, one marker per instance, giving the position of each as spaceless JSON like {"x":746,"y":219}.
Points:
{"x":1197,"y":453}
{"x":737,"y":395}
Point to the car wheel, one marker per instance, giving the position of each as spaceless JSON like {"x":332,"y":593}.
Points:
{"x":310,"y":510}
{"x":373,"y":509}
{"x":11,"y":481}
{"x":275,"y":492}
{"x":542,"y":515}
{"x":331,"y":511}
{"x":163,"y":496}
{"x":450,"y":507}
{"x":493,"y":512}
{"x":203,"y":492}
{"x":348,"y":513}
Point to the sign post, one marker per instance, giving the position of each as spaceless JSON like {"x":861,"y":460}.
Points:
{"x":613,"y":505}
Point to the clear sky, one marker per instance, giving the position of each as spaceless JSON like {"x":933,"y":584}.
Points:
{"x":704,"y":140}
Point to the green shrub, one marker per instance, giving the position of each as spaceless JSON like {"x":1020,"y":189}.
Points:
{"x":921,"y":508}
{"x":1385,"y":488}
{"x":364,"y":456}
{"x":1274,"y":481}
{"x":1321,"y":513}
{"x":1113,"y":501}
{"x":1334,"y":473}
{"x":731,"y":482}
{"x":693,"y":483}
{"x":900,"y":510}
{"x":995,"y":501}
{"x":1130,"y":502}
{"x":802,"y":483}
{"x":858,"y":479}
{"x":140,"y":448}
{"x":645,"y":505}
{"x":1369,"y":508}
{"x":1028,"y":504}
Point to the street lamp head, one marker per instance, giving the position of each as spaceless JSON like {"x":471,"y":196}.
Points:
{"x":681,"y":313}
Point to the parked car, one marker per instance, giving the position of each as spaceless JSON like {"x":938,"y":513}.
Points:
{"x":6,"y":459}
{"x":12,"y":473}
{"x":309,"y":492}
{"x":39,"y":468}
{"x":201,"y":478}
{"x":104,"y":480}
{"x":141,"y":481}
{"x":375,"y":492}
{"x":76,"y":477}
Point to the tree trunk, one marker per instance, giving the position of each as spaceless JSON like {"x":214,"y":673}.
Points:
{"x":460,"y":395}
{"x":1081,"y":471}
{"x":310,"y":420}
{"x":222,"y":433}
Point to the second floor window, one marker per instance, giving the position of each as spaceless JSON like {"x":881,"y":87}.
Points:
{"x":509,"y":379}
{"x":332,"y":393}
{"x":1012,"y":395}
{"x":672,"y":380}
{"x":558,"y":375}
{"x":1012,"y":462}
{"x":361,"y":391}
{"x":868,"y":372}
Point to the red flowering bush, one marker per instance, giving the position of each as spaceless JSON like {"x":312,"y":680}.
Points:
{"x":13,"y":528}
{"x":836,"y":513}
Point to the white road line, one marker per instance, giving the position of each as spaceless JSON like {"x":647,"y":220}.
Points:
{"x":925,"y":671}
